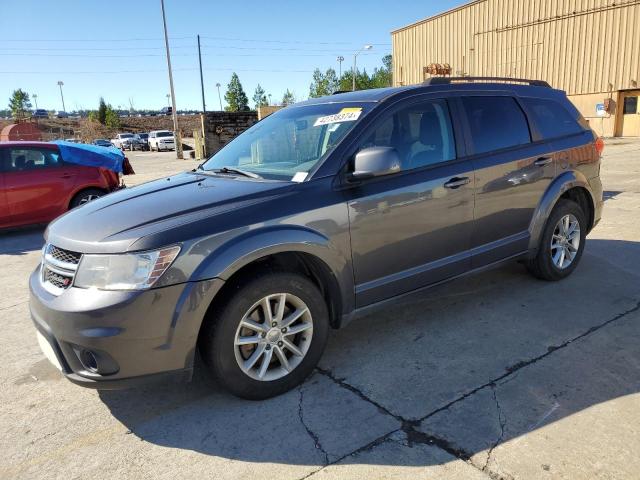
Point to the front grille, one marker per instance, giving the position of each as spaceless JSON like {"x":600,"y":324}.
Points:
{"x":58,"y":268}
{"x":64,"y":255}
{"x":57,"y":280}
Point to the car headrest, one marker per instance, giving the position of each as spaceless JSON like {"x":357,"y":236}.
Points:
{"x":430,"y":133}
{"x":20,"y":162}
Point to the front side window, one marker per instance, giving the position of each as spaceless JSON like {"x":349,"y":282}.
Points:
{"x":551,"y":118}
{"x":290,"y":142}
{"x":23,"y":159}
{"x":496,"y":123}
{"x":421,"y":134}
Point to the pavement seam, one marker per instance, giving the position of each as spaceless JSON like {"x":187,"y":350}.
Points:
{"x":416,"y":436}
{"x":503,"y":422}
{"x":14,"y":305}
{"x":311,"y":433}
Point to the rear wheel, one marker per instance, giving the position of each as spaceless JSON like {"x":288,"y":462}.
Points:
{"x":86,"y":196}
{"x":562,"y":242}
{"x":268,"y":337}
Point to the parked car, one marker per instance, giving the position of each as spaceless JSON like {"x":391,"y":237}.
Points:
{"x":138,"y":142}
{"x":318,"y":214}
{"x":62,"y":114}
{"x":102,"y":142}
{"x":161,"y":140}
{"x":37,"y":185}
{"x":166,"y":111}
{"x":40,"y":113}
{"x":122,"y":140}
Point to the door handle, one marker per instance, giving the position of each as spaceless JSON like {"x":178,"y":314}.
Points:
{"x":542,"y":161}
{"x":456,"y":182}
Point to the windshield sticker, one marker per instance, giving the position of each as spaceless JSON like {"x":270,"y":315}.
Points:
{"x":345,"y":115}
{"x":299,"y":176}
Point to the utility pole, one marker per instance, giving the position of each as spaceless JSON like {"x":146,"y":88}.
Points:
{"x":269,"y":95}
{"x":204,"y":108}
{"x":340,"y":60}
{"x":35,"y":99}
{"x":355,"y":69}
{"x":60,"y":84}
{"x":176,"y":132}
{"x":219,"y":97}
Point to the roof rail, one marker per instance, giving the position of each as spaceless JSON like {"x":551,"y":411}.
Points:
{"x":449,"y":80}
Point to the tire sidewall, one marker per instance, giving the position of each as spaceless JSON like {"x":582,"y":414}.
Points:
{"x":219,"y":350}
{"x":563,"y":208}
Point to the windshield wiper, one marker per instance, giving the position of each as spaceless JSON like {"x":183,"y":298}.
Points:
{"x":238,"y":171}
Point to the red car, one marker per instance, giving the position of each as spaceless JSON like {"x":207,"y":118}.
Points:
{"x":37,"y":185}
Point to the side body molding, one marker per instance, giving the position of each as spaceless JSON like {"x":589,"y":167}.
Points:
{"x":566,"y":181}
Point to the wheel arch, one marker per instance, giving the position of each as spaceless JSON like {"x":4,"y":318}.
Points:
{"x":571,"y":185}
{"x":81,"y":189}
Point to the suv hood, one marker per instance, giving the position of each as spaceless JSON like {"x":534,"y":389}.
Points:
{"x":143,"y":215}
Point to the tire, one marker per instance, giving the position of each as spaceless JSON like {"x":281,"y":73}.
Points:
{"x":217,"y":339}
{"x":542,"y":265}
{"x":86,"y":196}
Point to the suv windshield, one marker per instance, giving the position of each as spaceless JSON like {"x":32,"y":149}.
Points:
{"x":164,"y":134}
{"x":126,"y":135}
{"x":289,"y":141}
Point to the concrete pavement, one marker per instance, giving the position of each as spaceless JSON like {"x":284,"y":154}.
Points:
{"x":493,"y":376}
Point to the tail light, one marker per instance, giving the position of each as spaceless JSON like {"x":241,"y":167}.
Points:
{"x":599,"y":145}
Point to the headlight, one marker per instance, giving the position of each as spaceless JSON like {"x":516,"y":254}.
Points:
{"x":127,"y":271}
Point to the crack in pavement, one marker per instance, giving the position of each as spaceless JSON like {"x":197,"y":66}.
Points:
{"x":416,"y":436}
{"x":311,"y":433}
{"x":503,"y":423}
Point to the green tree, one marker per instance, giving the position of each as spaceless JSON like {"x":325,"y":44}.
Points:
{"x":235,"y":97}
{"x":102,"y":112}
{"x":323,"y":83}
{"x":288,"y":98}
{"x":383,"y":77}
{"x":260,"y":97}
{"x":93,"y":116}
{"x":363,"y":81}
{"x":19,"y":104}
{"x":112,"y":120}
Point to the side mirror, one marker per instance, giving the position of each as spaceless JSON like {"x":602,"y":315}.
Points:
{"x":375,"y":162}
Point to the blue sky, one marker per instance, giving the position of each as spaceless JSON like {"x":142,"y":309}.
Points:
{"x":115,"y":49}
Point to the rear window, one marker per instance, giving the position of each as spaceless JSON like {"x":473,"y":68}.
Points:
{"x":496,"y":123}
{"x":552,"y":119}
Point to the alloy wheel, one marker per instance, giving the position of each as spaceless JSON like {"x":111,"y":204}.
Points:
{"x":88,"y":198}
{"x":565,"y":241}
{"x":273,"y":337}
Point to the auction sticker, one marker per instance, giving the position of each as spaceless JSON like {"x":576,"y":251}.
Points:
{"x":344,"y":115}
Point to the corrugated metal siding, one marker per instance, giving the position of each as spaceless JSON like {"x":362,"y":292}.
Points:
{"x":581,"y":46}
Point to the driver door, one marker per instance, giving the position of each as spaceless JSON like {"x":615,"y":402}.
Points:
{"x":412,"y":228}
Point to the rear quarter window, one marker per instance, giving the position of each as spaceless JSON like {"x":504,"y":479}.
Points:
{"x":551,"y":118}
{"x":496,"y":123}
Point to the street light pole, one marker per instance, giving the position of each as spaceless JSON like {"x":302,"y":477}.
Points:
{"x":176,"y":132}
{"x":35,"y":99}
{"x":168,"y":100}
{"x":204,"y":108}
{"x":219,"y":97}
{"x":60,"y":84}
{"x":355,"y":56}
{"x":340,"y":60}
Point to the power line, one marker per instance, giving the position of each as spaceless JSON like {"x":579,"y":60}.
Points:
{"x":142,"y":55}
{"x":98,"y":72}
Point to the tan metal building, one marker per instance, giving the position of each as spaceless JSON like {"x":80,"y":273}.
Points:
{"x":589,"y":48}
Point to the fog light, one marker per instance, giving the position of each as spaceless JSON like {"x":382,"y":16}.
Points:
{"x":89,"y":361}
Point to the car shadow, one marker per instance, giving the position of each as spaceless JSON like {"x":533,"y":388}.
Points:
{"x":22,"y":241}
{"x":466,"y":366}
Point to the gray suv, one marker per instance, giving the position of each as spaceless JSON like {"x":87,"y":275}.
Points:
{"x":312,"y":217}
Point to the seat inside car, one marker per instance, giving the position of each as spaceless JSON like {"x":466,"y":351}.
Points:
{"x":430,"y":141}
{"x":20,"y":162}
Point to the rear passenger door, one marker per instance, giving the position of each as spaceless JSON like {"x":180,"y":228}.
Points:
{"x":513,"y":168}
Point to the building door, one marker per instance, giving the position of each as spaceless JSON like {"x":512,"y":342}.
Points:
{"x":630,"y":114}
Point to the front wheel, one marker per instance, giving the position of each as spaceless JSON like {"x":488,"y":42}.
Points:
{"x":562,"y":242}
{"x":267,"y":337}
{"x":86,"y":196}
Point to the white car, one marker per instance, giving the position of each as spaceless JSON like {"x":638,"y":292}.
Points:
{"x":161,"y":140}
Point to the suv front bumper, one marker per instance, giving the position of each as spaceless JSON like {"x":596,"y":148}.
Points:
{"x":117,"y":339}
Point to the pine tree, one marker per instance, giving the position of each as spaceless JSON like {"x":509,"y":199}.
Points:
{"x":288,"y":98}
{"x":19,"y":103}
{"x":260,"y":97}
{"x":102,"y":112}
{"x":235,"y":97}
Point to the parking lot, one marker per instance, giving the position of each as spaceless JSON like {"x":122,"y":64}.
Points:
{"x":497,"y":375}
